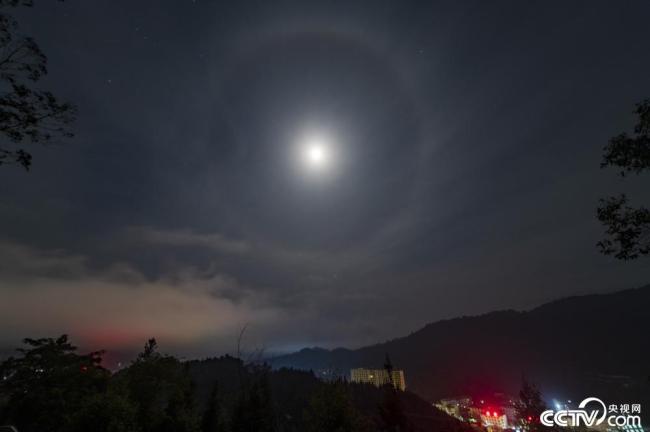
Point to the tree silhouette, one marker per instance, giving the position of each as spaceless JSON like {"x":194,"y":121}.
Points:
{"x":160,"y":387}
{"x":51,"y":388}
{"x":388,"y":367}
{"x":212,"y":417}
{"x":253,"y":411}
{"x":530,"y":406}
{"x":181,"y":414}
{"x":627,"y":228}
{"x":48,"y":382}
{"x":330,"y":410}
{"x":109,"y":411}
{"x":391,"y":412}
{"x":28,"y":115}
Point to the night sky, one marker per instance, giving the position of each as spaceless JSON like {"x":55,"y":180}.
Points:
{"x":460,"y":174}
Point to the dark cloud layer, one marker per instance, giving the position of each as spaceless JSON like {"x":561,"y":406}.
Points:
{"x":469,"y":139}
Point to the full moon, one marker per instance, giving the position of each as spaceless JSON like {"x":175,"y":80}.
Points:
{"x":316,"y":152}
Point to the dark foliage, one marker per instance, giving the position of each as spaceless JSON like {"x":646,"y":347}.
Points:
{"x":627,"y":228}
{"x":28,"y":115}
{"x":253,"y":410}
{"x":530,"y":406}
{"x":108,"y":411}
{"x":212,"y":420}
{"x":48,"y":384}
{"x":631,"y":154}
{"x":161,"y":390}
{"x":331,"y":409}
{"x":391,"y":413}
{"x":51,"y":388}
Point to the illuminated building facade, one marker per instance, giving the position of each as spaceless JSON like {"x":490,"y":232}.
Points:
{"x":498,"y":414}
{"x":378,"y":377}
{"x":458,"y":408}
{"x":494,"y":419}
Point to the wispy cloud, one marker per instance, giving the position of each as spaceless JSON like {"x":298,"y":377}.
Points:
{"x":189,"y":238}
{"x":50,"y":292}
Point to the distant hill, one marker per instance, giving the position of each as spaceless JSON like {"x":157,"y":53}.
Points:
{"x":593,"y":345}
{"x":291,"y":391}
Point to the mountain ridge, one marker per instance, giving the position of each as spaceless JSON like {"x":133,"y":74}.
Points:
{"x":569,"y":346}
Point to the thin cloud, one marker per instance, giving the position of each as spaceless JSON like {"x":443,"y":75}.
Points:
{"x":188,"y":238}
{"x":115,"y":307}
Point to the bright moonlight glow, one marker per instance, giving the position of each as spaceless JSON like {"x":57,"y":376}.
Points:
{"x":316,"y":152}
{"x":316,"y":155}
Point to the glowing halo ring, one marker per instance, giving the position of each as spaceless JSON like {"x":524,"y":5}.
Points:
{"x":250,"y":45}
